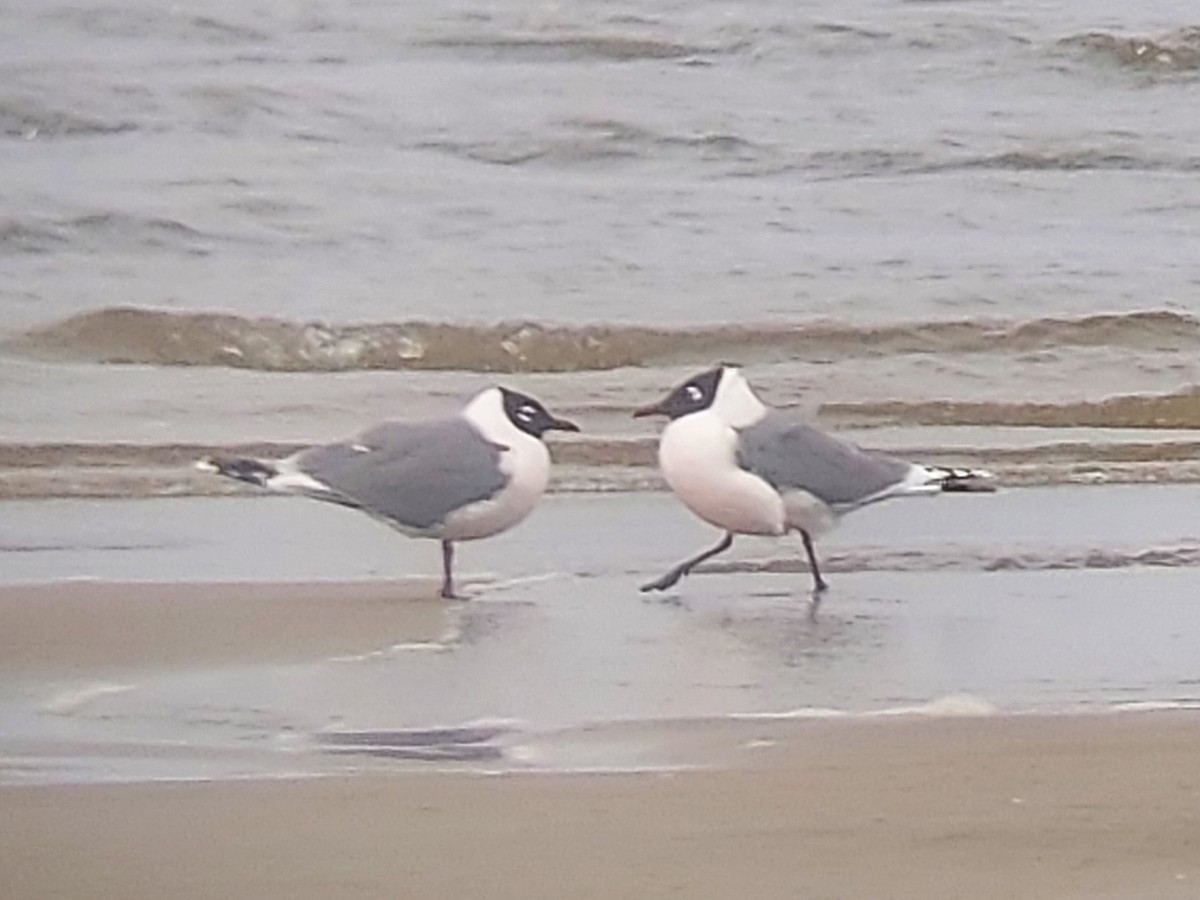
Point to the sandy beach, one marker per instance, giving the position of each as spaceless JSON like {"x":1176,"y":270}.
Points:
{"x":211,"y":697}
{"x":1033,"y":808}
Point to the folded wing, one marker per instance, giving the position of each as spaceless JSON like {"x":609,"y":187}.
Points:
{"x":413,"y":475}
{"x":789,"y":454}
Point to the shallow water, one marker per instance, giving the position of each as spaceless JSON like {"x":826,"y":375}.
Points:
{"x":1035,"y":600}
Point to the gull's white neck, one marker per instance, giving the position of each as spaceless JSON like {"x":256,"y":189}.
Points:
{"x":486,"y":412}
{"x":735,"y":403}
{"x":698,"y":456}
{"x":524,"y":460}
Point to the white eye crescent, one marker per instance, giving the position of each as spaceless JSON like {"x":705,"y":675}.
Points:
{"x":694,"y":393}
{"x":526,"y":413}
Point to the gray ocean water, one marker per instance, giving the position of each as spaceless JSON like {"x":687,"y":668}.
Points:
{"x":960,"y":229}
{"x":914,"y":213}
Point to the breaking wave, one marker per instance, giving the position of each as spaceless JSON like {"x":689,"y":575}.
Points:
{"x":1178,"y":51}
{"x":145,"y":336}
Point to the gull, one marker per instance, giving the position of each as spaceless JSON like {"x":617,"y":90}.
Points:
{"x":469,"y":476}
{"x":750,"y":469}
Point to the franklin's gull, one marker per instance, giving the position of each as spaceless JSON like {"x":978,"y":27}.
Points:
{"x":750,"y":469}
{"x":466,"y":477}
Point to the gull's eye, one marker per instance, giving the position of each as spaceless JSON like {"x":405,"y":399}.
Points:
{"x":694,"y":393}
{"x":526,"y":413}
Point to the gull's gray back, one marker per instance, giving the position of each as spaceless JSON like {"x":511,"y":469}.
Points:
{"x":789,"y":454}
{"x":412,"y":474}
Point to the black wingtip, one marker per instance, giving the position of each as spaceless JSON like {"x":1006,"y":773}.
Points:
{"x":251,"y":471}
{"x":968,"y":481}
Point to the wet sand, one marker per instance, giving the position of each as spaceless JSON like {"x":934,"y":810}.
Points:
{"x":172,"y":669}
{"x":97,"y":626}
{"x":987,"y":808}
{"x":205,"y":637}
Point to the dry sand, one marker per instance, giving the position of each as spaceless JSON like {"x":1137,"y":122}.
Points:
{"x":1028,"y":807}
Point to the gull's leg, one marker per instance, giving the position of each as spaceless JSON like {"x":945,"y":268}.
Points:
{"x":819,"y":583}
{"x":668,"y":580}
{"x":448,"y":571}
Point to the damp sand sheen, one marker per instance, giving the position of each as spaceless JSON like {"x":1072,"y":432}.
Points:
{"x":939,"y":724}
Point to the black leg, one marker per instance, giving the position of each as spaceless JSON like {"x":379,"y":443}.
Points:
{"x":448,"y":570}
{"x":819,"y":583}
{"x":668,"y":580}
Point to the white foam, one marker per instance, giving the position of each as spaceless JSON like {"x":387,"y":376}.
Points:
{"x":1156,"y":705}
{"x":759,"y":744}
{"x":804,"y":712}
{"x":950,"y":706}
{"x":76,"y":700}
{"x":395,"y":649}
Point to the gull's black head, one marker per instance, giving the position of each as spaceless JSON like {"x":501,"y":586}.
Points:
{"x":530,"y":416}
{"x":694,"y":395}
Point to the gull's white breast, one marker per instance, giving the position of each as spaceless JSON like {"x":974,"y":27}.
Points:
{"x":526,"y":462}
{"x":698,"y":456}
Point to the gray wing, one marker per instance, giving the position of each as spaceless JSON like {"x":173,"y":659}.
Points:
{"x":412,"y":474}
{"x":790,"y":454}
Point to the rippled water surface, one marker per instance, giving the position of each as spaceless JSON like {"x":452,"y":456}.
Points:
{"x":924,"y":213}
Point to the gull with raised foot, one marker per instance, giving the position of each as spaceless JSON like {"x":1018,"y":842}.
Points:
{"x":469,"y":476}
{"x":749,"y":469}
